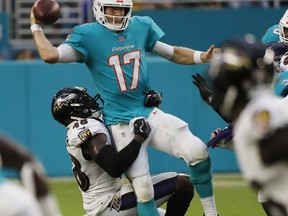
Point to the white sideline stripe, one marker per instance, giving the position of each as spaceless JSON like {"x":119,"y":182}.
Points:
{"x":62,"y":179}
{"x":219,"y":180}
{"x":230,"y":183}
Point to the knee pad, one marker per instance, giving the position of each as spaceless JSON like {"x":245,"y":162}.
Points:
{"x":143,"y":187}
{"x":201,"y":172}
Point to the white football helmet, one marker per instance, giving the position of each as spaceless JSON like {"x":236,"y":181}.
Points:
{"x":101,"y":17}
{"x":283,"y":24}
{"x":283,"y":64}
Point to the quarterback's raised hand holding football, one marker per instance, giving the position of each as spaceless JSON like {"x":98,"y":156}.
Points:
{"x":45,"y":12}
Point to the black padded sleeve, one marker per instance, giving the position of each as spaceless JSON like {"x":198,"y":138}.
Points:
{"x":116,"y":163}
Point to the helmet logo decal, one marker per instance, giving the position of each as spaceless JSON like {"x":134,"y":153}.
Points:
{"x":60,"y":102}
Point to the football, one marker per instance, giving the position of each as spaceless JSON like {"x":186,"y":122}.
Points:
{"x":46,"y":11}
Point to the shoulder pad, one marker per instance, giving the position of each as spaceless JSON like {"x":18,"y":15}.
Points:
{"x":81,"y":131}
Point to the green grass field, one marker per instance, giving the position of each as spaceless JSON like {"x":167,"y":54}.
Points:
{"x":233,"y":198}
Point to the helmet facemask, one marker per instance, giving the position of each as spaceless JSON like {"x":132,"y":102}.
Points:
{"x":283,"y":27}
{"x":85,"y":106}
{"x":103,"y":19}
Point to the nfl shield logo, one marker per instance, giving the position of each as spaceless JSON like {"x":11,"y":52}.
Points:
{"x":121,"y":38}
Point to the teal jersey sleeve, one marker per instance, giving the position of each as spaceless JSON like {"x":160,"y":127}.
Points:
{"x":271,"y":35}
{"x":77,"y":38}
{"x":154,"y":34}
{"x":118,"y":64}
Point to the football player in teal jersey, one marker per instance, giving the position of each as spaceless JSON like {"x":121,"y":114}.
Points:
{"x":277,"y":32}
{"x":276,"y":38}
{"x":271,"y":35}
{"x":114,"y":50}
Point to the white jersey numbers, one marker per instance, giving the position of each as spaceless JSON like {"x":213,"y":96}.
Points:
{"x":128,"y":58}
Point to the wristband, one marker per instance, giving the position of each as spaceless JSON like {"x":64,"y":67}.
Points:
{"x":197,"y":57}
{"x":35,"y":27}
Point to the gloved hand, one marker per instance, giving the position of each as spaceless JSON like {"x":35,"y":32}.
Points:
{"x":222,"y":136}
{"x":153,"y":99}
{"x":142,"y":128}
{"x":203,"y":88}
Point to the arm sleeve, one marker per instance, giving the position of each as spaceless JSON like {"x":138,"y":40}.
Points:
{"x":116,"y":163}
{"x":68,"y":54}
{"x":164,"y":50}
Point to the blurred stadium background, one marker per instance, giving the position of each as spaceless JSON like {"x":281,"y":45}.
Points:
{"x":28,"y":84}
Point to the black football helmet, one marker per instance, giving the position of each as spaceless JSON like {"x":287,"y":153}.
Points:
{"x":242,"y":65}
{"x":72,"y":103}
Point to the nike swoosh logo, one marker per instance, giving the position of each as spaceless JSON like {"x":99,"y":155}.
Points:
{"x":81,"y":128}
{"x":155,"y":112}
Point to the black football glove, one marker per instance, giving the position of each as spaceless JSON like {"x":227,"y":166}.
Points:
{"x":142,"y":128}
{"x":207,"y":94}
{"x":153,"y":99}
{"x":203,"y":88}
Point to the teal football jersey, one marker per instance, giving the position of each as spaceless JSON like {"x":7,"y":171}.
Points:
{"x":118,"y":63}
{"x":280,"y":84}
{"x":271,"y":35}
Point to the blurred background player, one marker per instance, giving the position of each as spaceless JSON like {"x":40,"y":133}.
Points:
{"x":98,"y":167}
{"x":243,"y":92}
{"x":277,"y":32}
{"x":276,"y":37}
{"x":119,"y":68}
{"x":224,"y":137}
{"x":32,"y":197}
